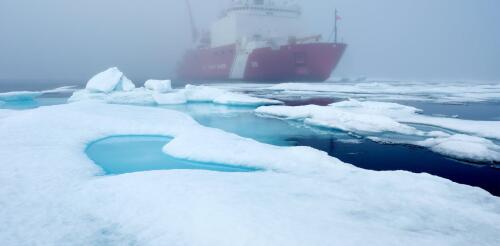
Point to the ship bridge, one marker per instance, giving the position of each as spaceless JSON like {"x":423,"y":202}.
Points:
{"x":246,"y":20}
{"x":264,"y":7}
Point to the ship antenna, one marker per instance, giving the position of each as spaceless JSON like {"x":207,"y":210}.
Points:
{"x":194,"y":31}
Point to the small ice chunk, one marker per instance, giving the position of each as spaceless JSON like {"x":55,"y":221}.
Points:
{"x":110,"y":80}
{"x":160,"y":86}
{"x":178,"y":97}
{"x":464,"y":147}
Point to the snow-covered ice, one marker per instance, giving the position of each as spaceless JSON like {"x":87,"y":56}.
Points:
{"x":371,"y":118}
{"x":110,"y":80}
{"x":220,"y":96}
{"x":160,"y":86}
{"x":382,"y":90}
{"x":178,"y":97}
{"x":112,"y":86}
{"x":464,"y":147}
{"x":52,"y":194}
{"x":403,"y":90}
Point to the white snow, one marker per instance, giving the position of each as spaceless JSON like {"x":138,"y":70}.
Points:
{"x":160,"y":86}
{"x":178,"y":97}
{"x":137,"y":96}
{"x":110,"y":80}
{"x":202,"y":93}
{"x":371,"y":118}
{"x":6,"y":113}
{"x":340,"y":118}
{"x":464,"y":147}
{"x":52,"y":194}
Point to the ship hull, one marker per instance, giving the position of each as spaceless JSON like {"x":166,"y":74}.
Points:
{"x":293,"y":62}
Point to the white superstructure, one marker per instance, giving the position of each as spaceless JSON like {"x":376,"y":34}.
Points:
{"x":255,"y":20}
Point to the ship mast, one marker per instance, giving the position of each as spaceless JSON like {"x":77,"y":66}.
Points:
{"x":335,"y":28}
{"x":194,"y":31}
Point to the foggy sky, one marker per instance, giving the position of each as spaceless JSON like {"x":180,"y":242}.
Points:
{"x":410,"y":39}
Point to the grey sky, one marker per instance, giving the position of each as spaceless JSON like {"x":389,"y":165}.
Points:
{"x":61,"y":39}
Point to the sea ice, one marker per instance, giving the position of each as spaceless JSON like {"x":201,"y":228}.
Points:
{"x":19,"y":95}
{"x":110,"y":80}
{"x":371,"y":118}
{"x":464,"y":147}
{"x":51,"y":193}
{"x":137,"y":96}
{"x":450,"y":92}
{"x":178,"y":97}
{"x":190,"y":93}
{"x":339,"y":118}
{"x":220,"y":96}
{"x":160,"y":86}
{"x":202,"y":93}
{"x":381,"y":90}
{"x":31,"y":95}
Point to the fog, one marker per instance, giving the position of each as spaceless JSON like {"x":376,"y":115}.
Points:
{"x":408,"y":39}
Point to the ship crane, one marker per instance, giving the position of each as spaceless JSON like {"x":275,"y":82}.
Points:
{"x":194,"y":30}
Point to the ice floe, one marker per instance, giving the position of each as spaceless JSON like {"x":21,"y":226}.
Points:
{"x":52,"y":194}
{"x":382,"y":90}
{"x":31,"y":95}
{"x":372,"y":118}
{"x":220,"y":96}
{"x":19,"y":95}
{"x":464,"y":147}
{"x":112,"y":86}
{"x":403,"y":90}
{"x":110,"y":80}
{"x":160,"y":86}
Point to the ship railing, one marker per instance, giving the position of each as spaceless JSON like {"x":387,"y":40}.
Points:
{"x":267,"y":8}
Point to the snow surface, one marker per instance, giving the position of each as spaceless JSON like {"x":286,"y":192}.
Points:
{"x":464,"y":147}
{"x":110,"y":80}
{"x":52,"y":194}
{"x":178,"y":97}
{"x":160,"y":86}
{"x":371,"y":118}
